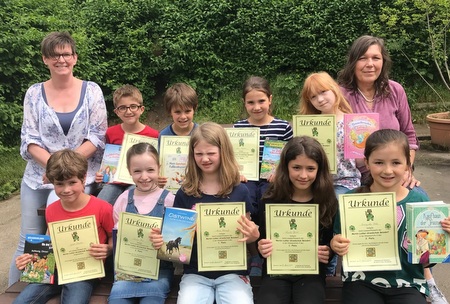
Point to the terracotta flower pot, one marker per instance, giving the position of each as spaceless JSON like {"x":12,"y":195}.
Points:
{"x":439,"y":124}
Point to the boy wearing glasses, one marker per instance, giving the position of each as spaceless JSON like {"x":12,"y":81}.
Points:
{"x":128,"y":106}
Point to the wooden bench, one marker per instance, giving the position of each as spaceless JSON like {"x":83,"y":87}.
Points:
{"x":101,"y":292}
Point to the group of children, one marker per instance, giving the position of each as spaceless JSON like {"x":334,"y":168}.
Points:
{"x":212,"y":175}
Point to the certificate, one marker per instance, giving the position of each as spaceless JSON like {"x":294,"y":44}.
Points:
{"x":71,"y":240}
{"x":322,"y":128}
{"x":294,"y":231}
{"x":217,"y":237}
{"x":369,"y":221}
{"x":245,"y":142}
{"x":173,"y":156}
{"x":130,"y":139}
{"x":135,"y":254}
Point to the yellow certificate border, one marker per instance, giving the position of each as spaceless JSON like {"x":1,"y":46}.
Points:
{"x":305,"y":124}
{"x":166,"y":148}
{"x":60,"y":240}
{"x":354,"y":216}
{"x":251,"y":172}
{"x":146,"y":223}
{"x":203,"y":231}
{"x":273,"y":230}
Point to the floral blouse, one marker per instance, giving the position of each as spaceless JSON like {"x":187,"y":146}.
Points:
{"x":41,"y":126}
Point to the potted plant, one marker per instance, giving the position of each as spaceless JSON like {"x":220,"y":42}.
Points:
{"x":433,"y":17}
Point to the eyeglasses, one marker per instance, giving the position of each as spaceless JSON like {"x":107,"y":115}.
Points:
{"x":65,"y":56}
{"x":132,"y":108}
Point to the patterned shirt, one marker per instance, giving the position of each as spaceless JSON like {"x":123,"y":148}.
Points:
{"x":41,"y":126}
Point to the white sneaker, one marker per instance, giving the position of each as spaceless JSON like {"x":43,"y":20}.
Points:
{"x":436,"y":296}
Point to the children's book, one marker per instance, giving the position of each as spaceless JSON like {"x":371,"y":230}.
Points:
{"x":41,"y":269}
{"x":428,"y":242}
{"x":109,"y":162}
{"x":122,"y":175}
{"x":178,"y":231}
{"x":271,"y":157}
{"x":357,"y":127}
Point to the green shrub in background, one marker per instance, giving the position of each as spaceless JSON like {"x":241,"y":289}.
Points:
{"x":12,"y":170}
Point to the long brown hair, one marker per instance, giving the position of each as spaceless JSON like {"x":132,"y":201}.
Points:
{"x":282,"y":188}
{"x":346,"y":77}
{"x":215,"y":135}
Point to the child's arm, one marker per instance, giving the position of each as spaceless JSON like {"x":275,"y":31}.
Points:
{"x":98,"y":177}
{"x":243,"y":179}
{"x":22,"y":260}
{"x":156,"y":238}
{"x":248,"y":228}
{"x":339,"y":244}
{"x":265,"y":247}
{"x":102,"y":251}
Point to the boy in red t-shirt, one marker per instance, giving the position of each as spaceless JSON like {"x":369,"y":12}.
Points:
{"x":128,"y":106}
{"x":66,"y":170}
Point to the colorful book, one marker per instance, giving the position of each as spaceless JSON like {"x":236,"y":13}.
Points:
{"x":357,"y":127}
{"x":109,"y":162}
{"x":178,"y":232}
{"x":271,"y":157}
{"x":129,"y":140}
{"x":41,"y":269}
{"x":428,"y":242}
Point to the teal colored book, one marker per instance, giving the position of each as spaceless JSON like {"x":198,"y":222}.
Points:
{"x":428,"y":242}
{"x":271,"y":157}
{"x":41,"y":269}
{"x":178,"y":231}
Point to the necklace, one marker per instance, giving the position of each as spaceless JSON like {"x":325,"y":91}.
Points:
{"x":365,"y":98}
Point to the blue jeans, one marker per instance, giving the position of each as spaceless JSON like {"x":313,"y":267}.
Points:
{"x":227,"y":289}
{"x":71,"y":293}
{"x":110,"y":192}
{"x":151,"y":292}
{"x":31,"y":223}
{"x":256,"y":190}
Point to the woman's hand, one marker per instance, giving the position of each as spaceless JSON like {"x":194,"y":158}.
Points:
{"x":23,"y":260}
{"x":324,"y":254}
{"x":409,"y":181}
{"x":249,"y":229}
{"x":265,"y":247}
{"x":156,"y":238}
{"x":340,"y":244}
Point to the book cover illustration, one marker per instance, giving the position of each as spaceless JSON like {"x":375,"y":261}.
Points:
{"x":357,"y":127}
{"x":41,"y":269}
{"x":271,"y":157}
{"x":109,"y":162}
{"x":428,"y":242}
{"x":178,"y":231}
{"x":129,"y":139}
